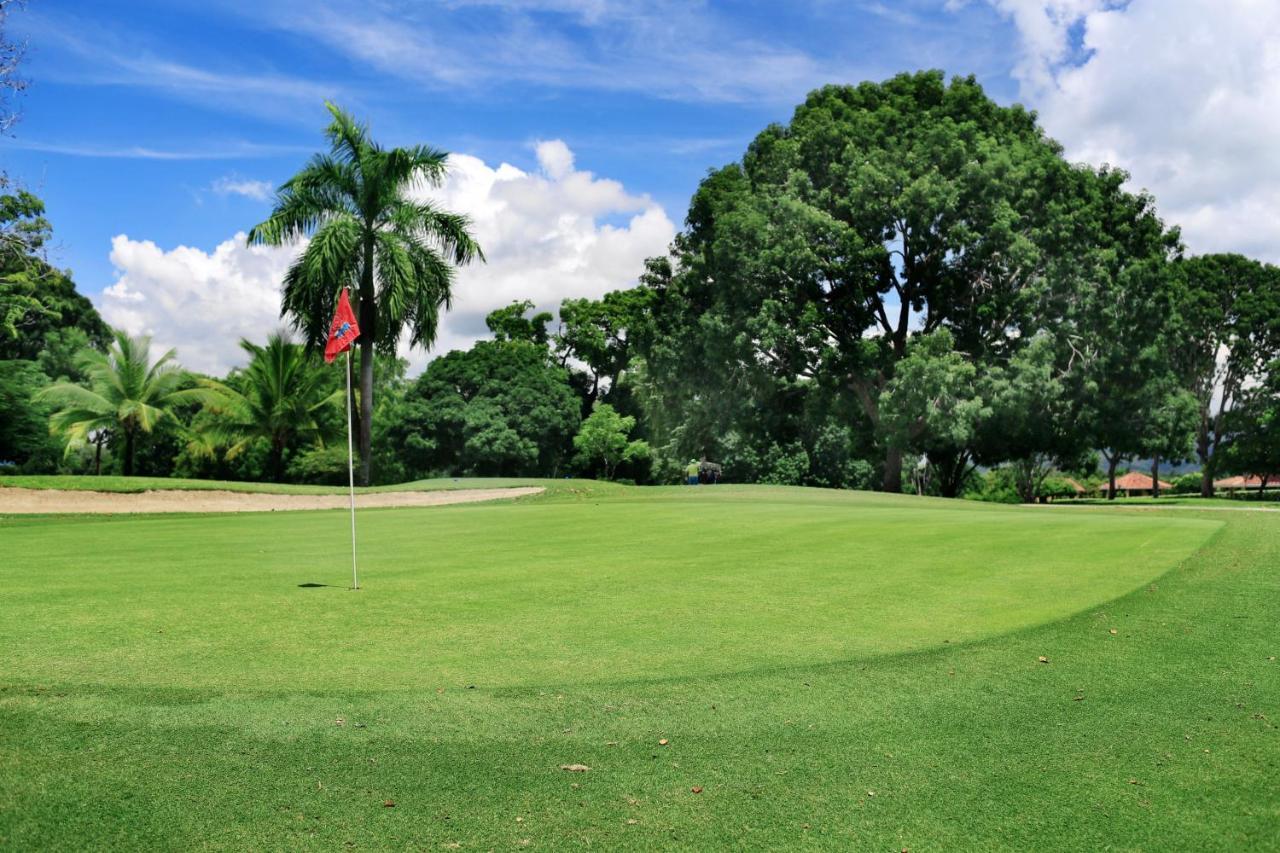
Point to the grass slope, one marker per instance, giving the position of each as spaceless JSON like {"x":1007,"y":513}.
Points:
{"x":166,"y":682}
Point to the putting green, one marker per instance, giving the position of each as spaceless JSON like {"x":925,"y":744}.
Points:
{"x":645,"y":584}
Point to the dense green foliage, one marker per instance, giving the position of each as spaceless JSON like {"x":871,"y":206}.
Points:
{"x":35,"y":298}
{"x":368,"y":231}
{"x":882,"y":216}
{"x":502,"y":408}
{"x":25,"y":442}
{"x":1227,"y":329}
{"x":905,"y":273}
{"x":903,"y":705}
{"x":604,"y":442}
{"x":127,"y":395}
{"x":283,"y":399}
{"x":1253,"y":432}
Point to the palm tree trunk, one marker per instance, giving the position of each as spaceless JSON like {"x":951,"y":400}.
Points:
{"x":97,"y":454}
{"x":128,"y":452}
{"x":277,"y":460}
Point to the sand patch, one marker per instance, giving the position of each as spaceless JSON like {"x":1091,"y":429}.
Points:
{"x":29,"y":501}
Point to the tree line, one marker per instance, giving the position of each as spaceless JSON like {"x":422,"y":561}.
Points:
{"x":905,"y":276}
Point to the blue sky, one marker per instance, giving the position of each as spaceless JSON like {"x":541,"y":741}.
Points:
{"x":153,"y":130}
{"x":138,"y":110}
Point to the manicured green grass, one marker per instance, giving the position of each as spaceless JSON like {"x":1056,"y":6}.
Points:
{"x":835,"y":670}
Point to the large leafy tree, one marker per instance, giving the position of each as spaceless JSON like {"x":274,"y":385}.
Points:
{"x":1252,"y":445}
{"x":283,"y":399}
{"x":128,"y":394}
{"x":510,"y":323}
{"x":36,"y":299}
{"x":598,"y":334}
{"x":933,"y":406}
{"x":604,"y":441}
{"x":360,"y":206}
{"x":1033,"y":422}
{"x":882,"y":210}
{"x":25,"y":442}
{"x":1227,"y":329}
{"x":502,"y":408}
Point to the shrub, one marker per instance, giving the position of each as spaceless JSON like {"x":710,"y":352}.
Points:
{"x":324,"y":466}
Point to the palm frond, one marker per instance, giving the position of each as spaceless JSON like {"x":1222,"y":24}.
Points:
{"x":347,"y":136}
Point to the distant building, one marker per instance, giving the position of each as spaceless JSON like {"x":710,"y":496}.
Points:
{"x":1134,"y":485}
{"x":1249,"y":481}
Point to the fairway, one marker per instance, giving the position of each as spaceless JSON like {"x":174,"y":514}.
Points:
{"x":654,"y":584}
{"x":737,"y":666}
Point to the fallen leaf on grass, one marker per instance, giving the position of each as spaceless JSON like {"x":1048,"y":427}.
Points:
{"x":663,"y":742}
{"x":1114,"y":631}
{"x":632,"y":821}
{"x":340,"y":721}
{"x":1042,"y":659}
{"x":871,"y":793}
{"x":575,"y":768}
{"x":697,"y":789}
{"x":389,"y":804}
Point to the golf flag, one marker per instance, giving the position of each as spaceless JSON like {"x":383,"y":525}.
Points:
{"x":344,"y":329}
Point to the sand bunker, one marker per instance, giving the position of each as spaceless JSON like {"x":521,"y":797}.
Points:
{"x":26,"y":501}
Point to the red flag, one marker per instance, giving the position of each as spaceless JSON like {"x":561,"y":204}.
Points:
{"x":344,"y":329}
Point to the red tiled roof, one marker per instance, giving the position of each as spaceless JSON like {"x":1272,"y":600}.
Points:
{"x":1249,"y":481}
{"x":1135,"y":481}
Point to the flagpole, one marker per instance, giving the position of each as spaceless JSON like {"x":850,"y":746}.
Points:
{"x":351,"y":478}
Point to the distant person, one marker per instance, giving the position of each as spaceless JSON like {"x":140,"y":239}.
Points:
{"x":691,"y":472}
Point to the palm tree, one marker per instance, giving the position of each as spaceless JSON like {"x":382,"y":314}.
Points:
{"x":369,"y":233}
{"x":279,"y":398}
{"x":127,"y":394}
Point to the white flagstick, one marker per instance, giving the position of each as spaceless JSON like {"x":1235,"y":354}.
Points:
{"x":351,"y":479}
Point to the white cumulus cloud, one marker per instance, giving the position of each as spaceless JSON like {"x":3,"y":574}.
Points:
{"x":200,"y":302}
{"x":1183,"y":94}
{"x":551,"y":234}
{"x":257,"y":190}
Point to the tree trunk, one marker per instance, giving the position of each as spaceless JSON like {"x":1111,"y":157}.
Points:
{"x":1155,"y":476}
{"x":97,"y":454}
{"x":1024,"y":473}
{"x":128,"y":453}
{"x":892,"y":470}
{"x":952,"y":474}
{"x":366,"y":411}
{"x":1202,"y":452}
{"x":1113,"y":462}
